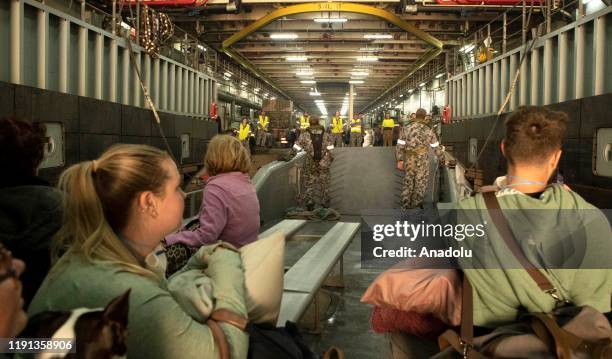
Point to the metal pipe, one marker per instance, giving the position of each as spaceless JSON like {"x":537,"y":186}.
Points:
{"x":41,"y":68}
{"x":600,"y":55}
{"x":563,"y":54}
{"x":511,"y":72}
{"x":206,"y":97}
{"x":579,"y":56}
{"x":197,"y":101}
{"x":487,"y":90}
{"x":523,"y":80}
{"x":155,"y":90}
{"x":179,"y":89}
{"x":83,"y":10}
{"x":192,"y":95}
{"x":524,"y":26}
{"x":114,"y":23}
{"x":535,"y":77}
{"x":164,"y":86}
{"x":186,"y":93}
{"x":481,"y":91}
{"x":171,"y":89}
{"x":135,"y":81}
{"x":468,"y":94}
{"x":351,"y":99}
{"x":16,"y":20}
{"x":138,"y":22}
{"x":475,"y":91}
{"x":126,"y":76}
{"x":495,"y":84}
{"x":504,"y":34}
{"x":548,"y":63}
{"x":112,"y":71}
{"x":147,"y":75}
{"x":504,"y":75}
{"x":64,"y":27}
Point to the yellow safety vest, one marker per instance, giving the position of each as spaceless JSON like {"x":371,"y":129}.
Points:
{"x":356,"y":125}
{"x":243,"y":134}
{"x":304,"y":123}
{"x":337,"y":125}
{"x":388,"y":123}
{"x":263,"y":122}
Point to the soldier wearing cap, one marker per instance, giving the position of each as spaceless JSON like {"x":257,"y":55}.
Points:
{"x":411,"y":150}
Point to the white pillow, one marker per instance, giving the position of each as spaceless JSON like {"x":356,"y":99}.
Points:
{"x":264,"y":268}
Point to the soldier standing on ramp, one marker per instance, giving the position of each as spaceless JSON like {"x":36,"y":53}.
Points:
{"x":411,"y":154}
{"x":318,"y":145}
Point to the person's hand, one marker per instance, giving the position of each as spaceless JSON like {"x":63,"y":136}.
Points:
{"x":400,"y":165}
{"x":12,"y":317}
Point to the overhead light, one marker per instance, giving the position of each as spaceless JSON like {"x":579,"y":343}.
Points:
{"x":308,"y":81}
{"x":467,"y":48}
{"x":360,"y":73}
{"x":296,"y":58}
{"x":371,"y":49}
{"x":273,"y":98}
{"x":314,"y":93}
{"x":202,"y":48}
{"x":330,"y":19}
{"x":402,"y":95}
{"x":367,"y":58}
{"x":356,"y":81}
{"x":422,"y":85}
{"x":244,"y":83}
{"x":319,"y":101}
{"x":283,"y":36}
{"x":304,"y":73}
{"x":227,"y":74}
{"x":410,"y":91}
{"x":439,"y":75}
{"x":256,"y":90}
{"x":377,"y":36}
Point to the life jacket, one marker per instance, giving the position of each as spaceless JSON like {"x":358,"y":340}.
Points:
{"x":243,"y":134}
{"x":337,"y":125}
{"x":263,"y":122}
{"x":356,"y":125}
{"x":304,"y":123}
{"x":388,"y":123}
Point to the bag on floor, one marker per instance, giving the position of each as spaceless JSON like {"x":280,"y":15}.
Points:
{"x":567,"y":332}
{"x":269,"y":342}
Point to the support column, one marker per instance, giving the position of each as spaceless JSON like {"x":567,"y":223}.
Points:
{"x":504,"y":75}
{"x":136,"y":81}
{"x":468,"y":94}
{"x":197,"y":100}
{"x":351,"y":98}
{"x":495,"y":84}
{"x":163,"y":91}
{"x":512,"y":71}
{"x":64,"y":30}
{"x":126,"y":76}
{"x":475,"y":92}
{"x":600,"y":55}
{"x":523,"y":80}
{"x":481,"y":91}
{"x":548,"y":63}
{"x":171,"y":89}
{"x":192,"y":91}
{"x":179,"y":89}
{"x":42,"y":39}
{"x":99,"y":62}
{"x":535,"y":77}
{"x":16,"y":42}
{"x":206,"y":97}
{"x":487,"y":89}
{"x":147,"y":77}
{"x":563,"y":54}
{"x":155,"y":91}
{"x":186,"y":93}
{"x":112,"y":71}
{"x":464,"y":96}
{"x":82,"y":61}
{"x":579,"y":63}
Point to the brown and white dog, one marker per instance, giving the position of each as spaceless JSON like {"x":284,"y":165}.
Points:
{"x":99,"y":333}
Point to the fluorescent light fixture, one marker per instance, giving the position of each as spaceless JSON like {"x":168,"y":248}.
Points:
{"x":402,"y":95}
{"x":314,"y":93}
{"x":273,"y":98}
{"x":308,"y":81}
{"x":304,"y":73}
{"x":244,"y":83}
{"x":439,"y":75}
{"x":283,"y":36}
{"x":319,"y":101}
{"x":256,"y":90}
{"x":410,"y":91}
{"x":360,"y":73}
{"x":330,"y":19}
{"x":367,"y":58}
{"x":377,"y":36}
{"x":422,"y":84}
{"x":202,"y":48}
{"x":371,"y":49}
{"x":356,"y":81}
{"x":467,"y":48}
{"x":296,"y":58}
{"x":227,"y":74}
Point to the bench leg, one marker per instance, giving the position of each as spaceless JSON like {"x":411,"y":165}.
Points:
{"x":336,"y":281}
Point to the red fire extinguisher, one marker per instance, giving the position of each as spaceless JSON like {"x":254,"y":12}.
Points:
{"x":213,"y":111}
{"x":446,"y":114}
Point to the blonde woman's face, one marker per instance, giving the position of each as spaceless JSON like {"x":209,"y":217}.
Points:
{"x":172,"y":201}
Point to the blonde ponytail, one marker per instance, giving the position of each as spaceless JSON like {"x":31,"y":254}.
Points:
{"x":97,"y":198}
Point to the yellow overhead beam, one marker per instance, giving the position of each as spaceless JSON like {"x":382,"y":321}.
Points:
{"x":335,"y":7}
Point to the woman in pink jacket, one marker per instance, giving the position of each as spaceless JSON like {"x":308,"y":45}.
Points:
{"x":230,"y":208}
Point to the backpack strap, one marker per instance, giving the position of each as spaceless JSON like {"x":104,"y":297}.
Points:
{"x":227,"y":316}
{"x":504,"y":230}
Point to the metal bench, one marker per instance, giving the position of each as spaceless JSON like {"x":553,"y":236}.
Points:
{"x":305,"y":278}
{"x":287,"y":226}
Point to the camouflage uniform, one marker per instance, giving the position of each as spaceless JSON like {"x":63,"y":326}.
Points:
{"x":262,"y":130}
{"x":356,"y":138}
{"x":412,"y":146}
{"x":317,"y":164}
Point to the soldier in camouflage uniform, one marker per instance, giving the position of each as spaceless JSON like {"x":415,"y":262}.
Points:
{"x":411,"y":153}
{"x":318,"y":145}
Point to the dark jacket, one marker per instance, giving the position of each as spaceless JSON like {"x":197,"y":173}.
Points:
{"x":30,"y":215}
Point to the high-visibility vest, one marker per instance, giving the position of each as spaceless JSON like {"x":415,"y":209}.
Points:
{"x":356,"y":125}
{"x":263,"y":122}
{"x":243,"y":134}
{"x":337,"y":125}
{"x":388,"y":123}
{"x":304,"y":123}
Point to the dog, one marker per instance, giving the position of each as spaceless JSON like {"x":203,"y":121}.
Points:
{"x":97,"y":333}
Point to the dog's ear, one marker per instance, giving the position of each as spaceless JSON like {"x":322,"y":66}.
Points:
{"x":117,"y":310}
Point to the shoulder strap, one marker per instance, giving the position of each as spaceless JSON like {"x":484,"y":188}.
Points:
{"x":504,"y":230}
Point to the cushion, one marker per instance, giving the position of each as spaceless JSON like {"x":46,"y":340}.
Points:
{"x":426,"y":291}
{"x":264,"y":268}
{"x":386,"y":320}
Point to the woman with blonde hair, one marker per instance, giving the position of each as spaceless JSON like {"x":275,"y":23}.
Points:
{"x":118,"y":209}
{"x":230,"y":208}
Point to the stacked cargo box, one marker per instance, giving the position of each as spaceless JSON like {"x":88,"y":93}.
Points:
{"x":280,"y":112}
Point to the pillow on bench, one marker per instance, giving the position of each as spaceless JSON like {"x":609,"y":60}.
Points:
{"x":424,"y":291}
{"x":264,"y":267}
